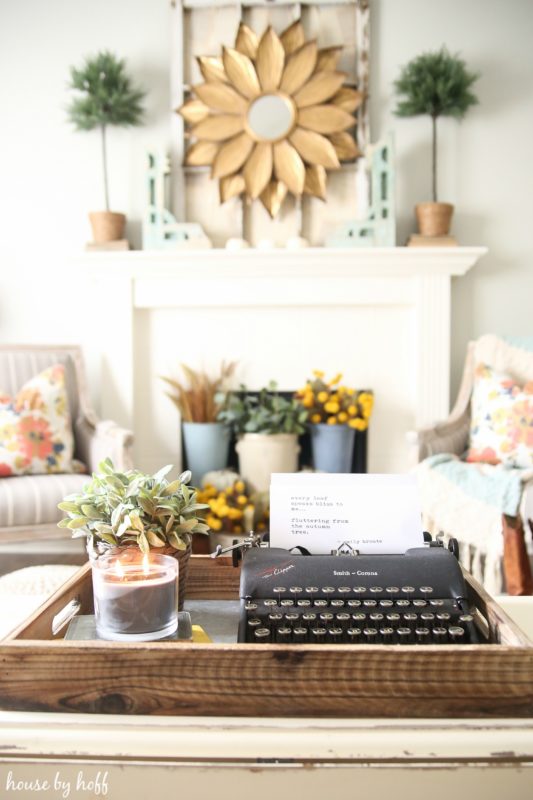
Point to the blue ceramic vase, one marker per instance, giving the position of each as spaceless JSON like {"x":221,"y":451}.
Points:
{"x":332,"y":447}
{"x":206,"y":446}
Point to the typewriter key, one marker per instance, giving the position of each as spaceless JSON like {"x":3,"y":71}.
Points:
{"x":275,"y":616}
{"x":403,"y":603}
{"x":344,"y":590}
{"x":342,"y":618}
{"x":456,"y":634}
{"x":353,"y":603}
{"x":327,"y":590}
{"x":386,"y":635}
{"x":283,"y":634}
{"x":334,"y":634}
{"x":254,"y":622}
{"x":318,"y":635}
{"x":270,"y":602}
{"x":404,"y":635}
{"x":376,"y":617}
{"x":337,"y":603}
{"x":436,"y":602}
{"x":309,"y":617}
{"x":408,"y":589}
{"x":261,"y":635}
{"x":279,"y":590}
{"x":392,"y":590}
{"x":295,"y":590}
{"x":422,"y":635}
{"x":250,"y":606}
{"x":439,"y":635}
{"x":370,"y":603}
{"x":393,"y":617}
{"x":386,"y":603}
{"x":419,"y":603}
{"x":376,"y":589}
{"x":353,"y":635}
{"x":299,"y":634}
{"x":410,"y":617}
{"x":292,"y":616}
{"x":320,"y":603}
{"x":303,"y":603}
{"x":443,"y":616}
{"x":371,"y":635}
{"x":466,"y":618}
{"x":359,"y":589}
{"x":359,"y":617}
{"x":326,"y":617}
{"x":311,"y":589}
{"x":424,"y":590}
{"x":427,"y":616}
{"x":286,"y":602}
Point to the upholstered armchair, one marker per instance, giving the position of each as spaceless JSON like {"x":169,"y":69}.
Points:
{"x":487,"y":508}
{"x":28,"y":503}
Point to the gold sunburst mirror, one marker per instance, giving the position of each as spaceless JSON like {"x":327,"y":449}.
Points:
{"x":272,"y":116}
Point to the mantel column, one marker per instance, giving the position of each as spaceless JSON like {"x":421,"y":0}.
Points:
{"x":433,"y":348}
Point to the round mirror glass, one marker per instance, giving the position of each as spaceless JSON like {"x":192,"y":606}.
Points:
{"x":270,"y":117}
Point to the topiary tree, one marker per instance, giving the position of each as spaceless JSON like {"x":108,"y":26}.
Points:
{"x":105,"y":96}
{"x":437,"y":84}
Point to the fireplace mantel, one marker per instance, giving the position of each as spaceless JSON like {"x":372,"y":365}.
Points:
{"x":393,"y":288}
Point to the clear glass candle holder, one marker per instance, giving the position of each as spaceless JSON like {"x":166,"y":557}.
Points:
{"x":135,"y":596}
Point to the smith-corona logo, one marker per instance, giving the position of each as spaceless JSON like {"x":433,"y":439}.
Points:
{"x":281,"y":569}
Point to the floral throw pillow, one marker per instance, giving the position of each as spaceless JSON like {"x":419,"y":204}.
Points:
{"x":35,"y":428}
{"x":501,"y":430}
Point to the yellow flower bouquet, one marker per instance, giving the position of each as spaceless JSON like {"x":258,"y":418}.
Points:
{"x":333,"y":403}
{"x":233,"y":510}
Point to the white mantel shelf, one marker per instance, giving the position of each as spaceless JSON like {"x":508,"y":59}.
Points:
{"x":394,"y":302}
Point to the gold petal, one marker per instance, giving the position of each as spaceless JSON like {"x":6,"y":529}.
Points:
{"x":231,"y":186}
{"x":201,"y":154}
{"x":241,"y":72}
{"x":325,"y":119}
{"x":320,"y":87}
{"x":273,"y":196}
{"x":315,"y":181}
{"x":212,"y":69}
{"x":193,"y":111}
{"x":348,"y":99}
{"x":247,"y":41}
{"x":270,"y":60}
{"x":258,"y":170}
{"x":345,"y":146}
{"x":293,"y":37}
{"x":218,"y":127}
{"x":221,"y":97}
{"x":300,"y":67}
{"x":328,"y":59}
{"x":232,"y":156}
{"x":314,"y":148}
{"x":289,"y":167}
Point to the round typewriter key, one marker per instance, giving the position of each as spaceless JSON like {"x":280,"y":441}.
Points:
{"x":386,"y":635}
{"x":370,"y":634}
{"x":392,"y":589}
{"x":427,"y":616}
{"x":292,"y":616}
{"x":303,"y":603}
{"x":251,"y":606}
{"x":337,"y":603}
{"x":436,"y":603}
{"x":254,"y":622}
{"x":311,"y":589}
{"x":403,"y":603}
{"x":456,"y":633}
{"x":466,"y":618}
{"x":334,"y":634}
{"x":328,"y":589}
{"x":353,"y":603}
{"x":359,"y":589}
{"x":283,"y":634}
{"x":286,"y":602}
{"x":404,"y":634}
{"x":386,"y":603}
{"x":318,"y":635}
{"x":299,"y":634}
{"x":444,"y":616}
{"x":261,"y":634}
{"x":320,"y":603}
{"x":295,"y":590}
{"x":344,"y":590}
{"x":343,"y":618}
{"x":376,"y":589}
{"x":376,"y":617}
{"x":275,"y":617}
{"x":419,"y":603}
{"x":359,"y":617}
{"x":370,"y":603}
{"x":353,"y":635}
{"x":408,"y":589}
{"x":309,"y":617}
{"x":410,"y":617}
{"x":422,"y":635}
{"x":440,"y":635}
{"x":326,"y":617}
{"x":279,"y":590}
{"x":270,"y":602}
{"x":393,"y":617}
{"x":424,"y":590}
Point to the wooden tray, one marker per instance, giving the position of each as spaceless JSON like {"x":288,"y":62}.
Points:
{"x":40,"y":672}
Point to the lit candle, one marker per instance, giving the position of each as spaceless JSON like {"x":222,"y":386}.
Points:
{"x":135,"y":596}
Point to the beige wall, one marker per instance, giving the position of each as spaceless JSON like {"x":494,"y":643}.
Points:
{"x":49,"y":176}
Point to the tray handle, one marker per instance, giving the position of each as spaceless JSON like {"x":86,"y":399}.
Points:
{"x":64,"y":616}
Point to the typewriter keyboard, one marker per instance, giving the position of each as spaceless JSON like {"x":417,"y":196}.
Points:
{"x":357,"y":615}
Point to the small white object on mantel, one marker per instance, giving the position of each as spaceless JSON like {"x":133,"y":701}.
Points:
{"x":237,"y":244}
{"x":266,"y":244}
{"x":296,"y":243}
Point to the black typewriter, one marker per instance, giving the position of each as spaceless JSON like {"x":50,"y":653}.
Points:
{"x":416,"y":598}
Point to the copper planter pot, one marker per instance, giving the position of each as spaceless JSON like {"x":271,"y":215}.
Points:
{"x":107,"y":226}
{"x":434,"y":219}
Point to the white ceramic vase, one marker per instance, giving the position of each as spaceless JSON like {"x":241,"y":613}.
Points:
{"x":262,"y":454}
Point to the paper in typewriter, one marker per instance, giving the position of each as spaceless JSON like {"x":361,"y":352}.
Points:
{"x":365,"y":513}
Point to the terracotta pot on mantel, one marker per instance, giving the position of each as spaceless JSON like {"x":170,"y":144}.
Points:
{"x":107,"y":226}
{"x":434,"y":219}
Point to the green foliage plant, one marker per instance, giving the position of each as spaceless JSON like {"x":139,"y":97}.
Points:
{"x":134,"y":509}
{"x":200,"y":398}
{"x":104,"y":96}
{"x":268,"y":412}
{"x":436,"y":84}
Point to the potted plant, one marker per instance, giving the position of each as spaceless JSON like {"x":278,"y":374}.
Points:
{"x":199,"y":400}
{"x":134,"y":509}
{"x":435,"y":84}
{"x":233,"y":512}
{"x":267,"y":427}
{"x":336,"y":412}
{"x":105,"y":96}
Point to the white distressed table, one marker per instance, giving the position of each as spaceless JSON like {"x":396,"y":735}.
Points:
{"x":81,"y":756}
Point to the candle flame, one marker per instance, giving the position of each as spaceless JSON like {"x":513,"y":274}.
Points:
{"x":146,"y":564}
{"x":119,"y":570}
